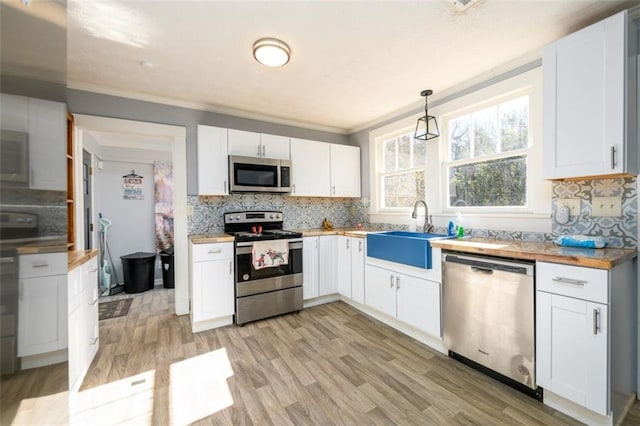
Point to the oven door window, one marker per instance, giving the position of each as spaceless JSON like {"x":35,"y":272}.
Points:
{"x":245,"y":271}
{"x":255,"y":175}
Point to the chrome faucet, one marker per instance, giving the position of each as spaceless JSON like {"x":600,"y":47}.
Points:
{"x":428,"y":225}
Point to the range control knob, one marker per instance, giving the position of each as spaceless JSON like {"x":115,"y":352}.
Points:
{"x":237,"y":217}
{"x":270,"y":216}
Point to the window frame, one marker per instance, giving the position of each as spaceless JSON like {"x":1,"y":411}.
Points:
{"x":535,"y":218}
{"x":447,"y":162}
{"x":379,"y":162}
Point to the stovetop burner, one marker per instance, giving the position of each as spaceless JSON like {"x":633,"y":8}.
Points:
{"x":268,"y":224}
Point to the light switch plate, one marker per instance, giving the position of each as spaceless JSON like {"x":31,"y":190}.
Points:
{"x":573,"y":204}
{"x":606,"y":206}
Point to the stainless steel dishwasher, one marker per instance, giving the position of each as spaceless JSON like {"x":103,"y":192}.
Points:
{"x":488,"y":316}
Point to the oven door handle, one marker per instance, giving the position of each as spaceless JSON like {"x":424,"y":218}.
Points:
{"x":291,"y":243}
{"x":246,"y":248}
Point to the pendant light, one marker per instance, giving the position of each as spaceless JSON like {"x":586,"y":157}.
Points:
{"x":427,"y":126}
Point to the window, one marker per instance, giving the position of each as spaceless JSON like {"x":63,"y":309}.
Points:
{"x":487,"y":149}
{"x":401,"y":172}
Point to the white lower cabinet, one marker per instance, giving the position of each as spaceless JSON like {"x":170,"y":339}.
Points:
{"x":585,"y":336}
{"x":413,"y":300}
{"x":320,"y":275}
{"x":310,"y":267}
{"x":83,"y":320}
{"x":351,"y":255}
{"x":42,"y":305}
{"x":327,"y":261}
{"x":572,"y":354}
{"x":212,"y":293}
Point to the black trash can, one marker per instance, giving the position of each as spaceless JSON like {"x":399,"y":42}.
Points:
{"x":168,"y":277}
{"x":138,"y":271}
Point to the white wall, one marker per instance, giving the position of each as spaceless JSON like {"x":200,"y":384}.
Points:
{"x":133,"y":227}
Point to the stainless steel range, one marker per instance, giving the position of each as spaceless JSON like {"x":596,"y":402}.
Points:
{"x":268,"y":265}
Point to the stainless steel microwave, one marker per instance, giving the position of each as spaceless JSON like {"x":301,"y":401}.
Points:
{"x":253,"y":174}
{"x":14,"y":157}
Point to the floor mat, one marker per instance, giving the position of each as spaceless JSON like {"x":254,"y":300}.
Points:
{"x":114,"y":308}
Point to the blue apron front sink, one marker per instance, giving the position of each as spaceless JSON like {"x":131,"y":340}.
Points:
{"x":408,"y":248}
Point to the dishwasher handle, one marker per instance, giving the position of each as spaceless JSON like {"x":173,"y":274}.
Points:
{"x":480,"y":265}
{"x":486,"y":271}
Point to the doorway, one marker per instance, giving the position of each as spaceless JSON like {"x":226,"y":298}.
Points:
{"x":86,"y":198}
{"x":173,"y":137}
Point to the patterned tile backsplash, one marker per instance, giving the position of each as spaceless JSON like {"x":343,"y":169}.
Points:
{"x":619,"y":231}
{"x":299,"y":212}
{"x":308,"y":212}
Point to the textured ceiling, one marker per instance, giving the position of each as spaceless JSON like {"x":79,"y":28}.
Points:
{"x":352,"y":62}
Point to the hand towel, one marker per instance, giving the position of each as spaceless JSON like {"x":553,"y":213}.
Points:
{"x":270,"y":254}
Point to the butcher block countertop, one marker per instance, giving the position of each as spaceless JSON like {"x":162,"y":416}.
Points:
{"x":211,"y":238}
{"x":348,"y":232}
{"x":605,"y":258}
{"x":79,"y":257}
{"x":40,"y":247}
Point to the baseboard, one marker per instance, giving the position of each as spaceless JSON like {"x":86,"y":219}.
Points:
{"x":576,"y":411}
{"x":40,"y":360}
{"x":434,"y":342}
{"x":199,"y":326}
{"x":627,"y":407}
{"x":321,"y":300}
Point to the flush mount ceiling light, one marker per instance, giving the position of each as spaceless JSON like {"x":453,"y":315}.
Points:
{"x":427,"y":126}
{"x":271,"y":52}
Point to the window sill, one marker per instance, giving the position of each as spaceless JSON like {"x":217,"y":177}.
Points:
{"x":525,"y":222}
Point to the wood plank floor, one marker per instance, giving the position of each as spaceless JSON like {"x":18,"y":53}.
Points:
{"x":326,"y":365}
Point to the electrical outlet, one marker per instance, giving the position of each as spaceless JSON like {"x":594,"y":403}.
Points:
{"x":573,"y":204}
{"x":189,"y":209}
{"x":606,"y":206}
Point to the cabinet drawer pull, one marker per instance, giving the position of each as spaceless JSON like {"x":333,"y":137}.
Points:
{"x":258,"y":147}
{"x":571,"y":281}
{"x":359,"y":245}
{"x":94,"y":302}
{"x":596,"y":320}
{"x":40,"y":265}
{"x":215,"y":251}
{"x":94,"y":341}
{"x":263,"y":152}
{"x":391,"y":281}
{"x":93,"y":270}
{"x":230,"y":268}
{"x":348,"y":244}
{"x":397,"y":283}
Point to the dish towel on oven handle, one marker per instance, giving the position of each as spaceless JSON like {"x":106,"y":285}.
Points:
{"x":270,"y":254}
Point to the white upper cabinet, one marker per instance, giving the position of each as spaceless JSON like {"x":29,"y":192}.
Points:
{"x":45,"y":122}
{"x":274,"y":146}
{"x":213,"y":164}
{"x":311,"y":168}
{"x":251,"y":144}
{"x":345,"y":171}
{"x":590,"y":101}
